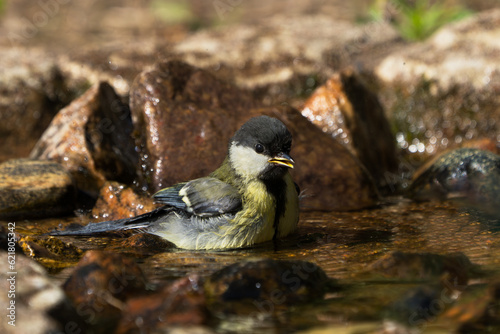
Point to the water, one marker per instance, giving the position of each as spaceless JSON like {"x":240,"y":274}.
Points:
{"x":343,"y":244}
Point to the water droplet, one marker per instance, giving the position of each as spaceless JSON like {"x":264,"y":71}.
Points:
{"x":421,"y":147}
{"x":310,"y":82}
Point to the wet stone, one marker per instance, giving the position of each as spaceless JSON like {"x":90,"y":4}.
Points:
{"x":468,"y":176}
{"x":179,"y":303}
{"x":92,"y":139}
{"x":477,"y":310}
{"x":34,"y":188}
{"x":347,"y":110}
{"x":330,"y":177}
{"x":443,"y":92}
{"x":99,"y":286}
{"x":418,"y":306}
{"x":184,"y":117}
{"x":40,"y":305}
{"x":423,"y":266}
{"x":265,"y":285}
{"x":50,"y":251}
{"x":117,"y":201}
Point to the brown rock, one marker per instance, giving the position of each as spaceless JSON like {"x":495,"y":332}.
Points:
{"x":486,"y":144}
{"x":344,"y":108}
{"x":186,"y":117}
{"x":260,"y":288}
{"x":443,"y":92}
{"x":92,"y":139}
{"x":179,"y":303}
{"x":99,"y":286}
{"x":51,"y":252}
{"x":330,"y":177}
{"x":40,"y":305}
{"x":34,"y":188}
{"x":116,"y":201}
{"x":425,"y":266}
{"x":32,"y":90}
{"x":289,"y":281}
{"x":477,"y":310}
{"x":467,"y":176}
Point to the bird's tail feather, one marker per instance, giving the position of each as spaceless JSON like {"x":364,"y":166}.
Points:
{"x":139,"y":222}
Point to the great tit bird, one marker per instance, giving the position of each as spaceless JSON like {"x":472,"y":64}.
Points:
{"x":251,"y":198}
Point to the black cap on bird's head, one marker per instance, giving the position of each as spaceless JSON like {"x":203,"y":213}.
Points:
{"x":261,"y":148}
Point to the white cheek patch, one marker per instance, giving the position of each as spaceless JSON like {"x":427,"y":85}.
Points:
{"x":246,"y":161}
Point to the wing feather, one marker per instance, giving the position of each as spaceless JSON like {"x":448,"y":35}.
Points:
{"x":205,"y":196}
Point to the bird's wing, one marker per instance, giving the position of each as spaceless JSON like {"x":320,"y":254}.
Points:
{"x":205,"y":196}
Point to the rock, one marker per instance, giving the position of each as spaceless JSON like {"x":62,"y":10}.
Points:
{"x":424,"y":304}
{"x":444,"y":92}
{"x":50,"y":252}
{"x":266,"y":285}
{"x":419,"y":305}
{"x":183,"y":115}
{"x":344,"y":108}
{"x":176,"y":304}
{"x":477,"y":310}
{"x":329,"y":176}
{"x":485,"y":144}
{"x":92,"y":139}
{"x":116,"y":201}
{"x":34,"y":188}
{"x":178,"y":103}
{"x":468,"y":176}
{"x":283,"y":59}
{"x":453,"y":268}
{"x":32,"y":90}
{"x":40,"y":306}
{"x":100,"y":285}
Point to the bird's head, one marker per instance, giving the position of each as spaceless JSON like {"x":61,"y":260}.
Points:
{"x":261,"y":148}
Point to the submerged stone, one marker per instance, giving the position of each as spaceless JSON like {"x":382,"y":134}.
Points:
{"x":35,"y":188}
{"x":179,"y":303}
{"x":51,"y":252}
{"x":423,"y":266}
{"x":100,"y":284}
{"x":477,"y":310}
{"x":468,"y":176}
{"x":267,"y":284}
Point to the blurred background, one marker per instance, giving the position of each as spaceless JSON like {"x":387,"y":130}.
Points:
{"x":65,"y":24}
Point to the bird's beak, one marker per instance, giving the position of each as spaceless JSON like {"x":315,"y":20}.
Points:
{"x":282,"y":159}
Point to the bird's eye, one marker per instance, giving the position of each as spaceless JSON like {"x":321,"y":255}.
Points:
{"x":259,"y":148}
